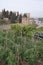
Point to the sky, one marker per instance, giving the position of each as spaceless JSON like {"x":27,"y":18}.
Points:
{"x":34,"y":7}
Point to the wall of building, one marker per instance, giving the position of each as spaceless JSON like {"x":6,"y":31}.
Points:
{"x":27,"y":20}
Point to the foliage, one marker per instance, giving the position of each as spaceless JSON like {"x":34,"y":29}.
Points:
{"x":27,"y":30}
{"x":14,"y":17}
{"x":20,"y":18}
{"x":5,"y":14}
{"x":17,"y":29}
{"x":14,"y":47}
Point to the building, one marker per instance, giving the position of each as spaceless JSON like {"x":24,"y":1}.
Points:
{"x":27,"y":14}
{"x":26,"y":19}
{"x":37,"y":22}
{"x":17,"y":13}
{"x":6,"y":20}
{"x":31,"y":20}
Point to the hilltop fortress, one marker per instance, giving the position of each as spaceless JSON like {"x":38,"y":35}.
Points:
{"x":7,"y":17}
{"x":26,"y":19}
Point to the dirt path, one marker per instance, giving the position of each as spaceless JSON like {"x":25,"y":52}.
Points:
{"x":5,"y":27}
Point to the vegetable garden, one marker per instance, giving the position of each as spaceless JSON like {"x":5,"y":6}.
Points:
{"x":18,"y":48}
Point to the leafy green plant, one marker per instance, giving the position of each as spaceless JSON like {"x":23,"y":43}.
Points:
{"x":16,"y":46}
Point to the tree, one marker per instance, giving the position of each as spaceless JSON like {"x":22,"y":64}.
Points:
{"x":3,"y":13}
{"x":20,"y":18}
{"x":24,"y":15}
{"x":12,"y":17}
{"x":7,"y":13}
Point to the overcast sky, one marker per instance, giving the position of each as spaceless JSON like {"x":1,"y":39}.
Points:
{"x":35,"y":7}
